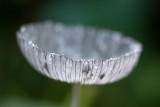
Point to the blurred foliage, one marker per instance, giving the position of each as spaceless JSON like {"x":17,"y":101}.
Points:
{"x":21,"y":86}
{"x":13,"y":102}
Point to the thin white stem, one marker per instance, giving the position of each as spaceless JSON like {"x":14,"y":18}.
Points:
{"x":75,"y":95}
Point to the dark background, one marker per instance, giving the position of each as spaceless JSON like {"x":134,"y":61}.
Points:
{"x":22,"y":86}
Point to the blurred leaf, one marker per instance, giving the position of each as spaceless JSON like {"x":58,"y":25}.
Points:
{"x":17,"y":102}
{"x":89,"y":95}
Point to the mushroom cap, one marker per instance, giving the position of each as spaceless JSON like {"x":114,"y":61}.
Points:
{"x":78,"y":54}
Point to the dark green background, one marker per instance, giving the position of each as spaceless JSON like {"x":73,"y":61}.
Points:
{"x":22,"y":86}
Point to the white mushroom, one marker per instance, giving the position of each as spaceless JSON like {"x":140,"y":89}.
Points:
{"x":77,"y":54}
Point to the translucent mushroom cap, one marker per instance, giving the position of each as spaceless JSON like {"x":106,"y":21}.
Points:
{"x":77,"y":54}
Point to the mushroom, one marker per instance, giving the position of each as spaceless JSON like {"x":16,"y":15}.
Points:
{"x":78,"y":55}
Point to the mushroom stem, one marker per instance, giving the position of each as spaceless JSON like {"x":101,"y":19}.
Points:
{"x":75,"y":95}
